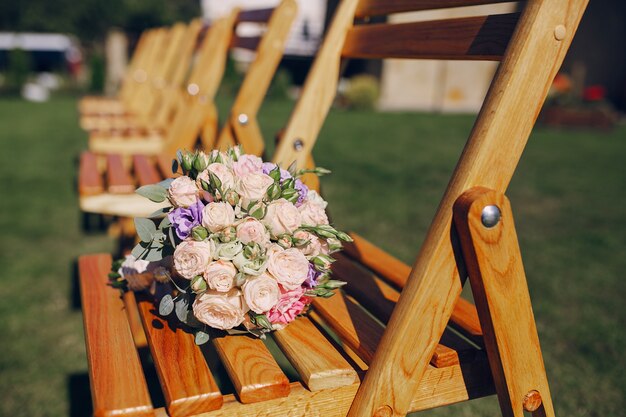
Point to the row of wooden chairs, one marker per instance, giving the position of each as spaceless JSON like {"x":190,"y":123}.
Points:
{"x":398,"y":338}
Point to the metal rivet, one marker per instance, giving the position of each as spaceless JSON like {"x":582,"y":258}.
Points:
{"x":559,"y":32}
{"x":490,"y":216}
{"x":193,"y":89}
{"x":298,"y":145}
{"x":242,"y":119}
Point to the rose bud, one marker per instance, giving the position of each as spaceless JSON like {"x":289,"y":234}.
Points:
{"x":187,"y":162}
{"x":274,"y":191}
{"x":200,"y":163}
{"x":198,"y":284}
{"x":322,"y":262}
{"x":231,"y":197}
{"x":252,"y":250}
{"x":199,"y":233}
{"x":228,"y":234}
{"x":285,"y":241}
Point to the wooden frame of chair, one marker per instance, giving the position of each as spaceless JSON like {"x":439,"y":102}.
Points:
{"x":136,"y":75}
{"x":143,"y":111}
{"x":399,"y":373}
{"x":196,"y":114}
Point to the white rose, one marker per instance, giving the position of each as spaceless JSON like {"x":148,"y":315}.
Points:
{"x":219,"y":310}
{"x":282,"y":217}
{"x":227,"y":251}
{"x":191,"y":258}
{"x":183,"y":192}
{"x":252,"y":187}
{"x":220,"y":275}
{"x":315,"y":198}
{"x":289,"y":267}
{"x":250,"y":266}
{"x":252,"y":230}
{"x":261,"y":293}
{"x":217,"y":216}
{"x":247,"y":164}
{"x":315,"y":245}
{"x":272,"y":249}
{"x":312,"y":214}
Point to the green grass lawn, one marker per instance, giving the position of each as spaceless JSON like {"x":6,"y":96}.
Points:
{"x":390,"y":170}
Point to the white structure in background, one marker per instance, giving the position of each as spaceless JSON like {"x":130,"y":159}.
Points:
{"x":306,"y":32}
{"x":431,"y":85}
{"x":116,"y":56}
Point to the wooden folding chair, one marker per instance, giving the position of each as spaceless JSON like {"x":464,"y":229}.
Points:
{"x":413,"y":363}
{"x":136,"y":74}
{"x":106,"y":185}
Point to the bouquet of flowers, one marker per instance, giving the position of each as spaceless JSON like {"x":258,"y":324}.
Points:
{"x":244,"y":247}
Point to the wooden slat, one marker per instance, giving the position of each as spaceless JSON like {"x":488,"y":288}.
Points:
{"x":468,"y":38}
{"x":89,"y":178}
{"x":145,"y":172}
{"x":256,"y":15}
{"x":464,"y":317}
{"x":246,"y":42}
{"x":164,"y":162}
{"x":252,"y":369}
{"x":119,"y":180}
{"x":188,"y":386}
{"x":118,"y":386}
{"x":319,"y":364}
{"x":383,"y":7}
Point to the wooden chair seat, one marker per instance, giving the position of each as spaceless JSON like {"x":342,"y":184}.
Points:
{"x":329,"y":349}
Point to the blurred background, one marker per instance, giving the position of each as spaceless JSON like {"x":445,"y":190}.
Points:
{"x":569,"y":193}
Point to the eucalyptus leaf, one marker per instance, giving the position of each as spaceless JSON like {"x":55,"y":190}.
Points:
{"x":166,"y":306}
{"x":164,"y":223}
{"x":140,"y":249}
{"x":166,"y":183}
{"x":159,"y":213}
{"x":153,"y":192}
{"x":181,"y":308}
{"x":201,"y":337}
{"x":292,"y":168}
{"x":145,"y":229}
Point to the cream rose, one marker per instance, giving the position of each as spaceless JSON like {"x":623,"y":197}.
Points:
{"x":222,"y":172}
{"x":247,"y":164}
{"x":252,"y":187}
{"x":290,"y":268}
{"x":219,"y":310}
{"x":252,"y":230}
{"x":261,"y":293}
{"x":315,"y":245}
{"x":282,"y":217}
{"x":312,"y":214}
{"x":191,"y":258}
{"x":220,"y":275}
{"x":313,"y":197}
{"x":217,"y":216}
{"x":183,"y":192}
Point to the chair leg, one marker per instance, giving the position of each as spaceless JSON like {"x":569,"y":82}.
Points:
{"x":485,"y":225}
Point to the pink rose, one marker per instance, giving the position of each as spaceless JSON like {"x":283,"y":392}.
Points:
{"x":219,"y":310}
{"x":289,"y":267}
{"x":261,"y":293}
{"x":252,"y":187}
{"x":252,"y":230}
{"x":217,"y":216}
{"x":247,"y":164}
{"x":313,"y":197}
{"x":312,"y":214}
{"x":220,"y":275}
{"x":183,"y":192}
{"x":282,"y":217}
{"x":191,"y":258}
{"x":315,"y":245}
{"x":290,"y":304}
{"x":224,"y":174}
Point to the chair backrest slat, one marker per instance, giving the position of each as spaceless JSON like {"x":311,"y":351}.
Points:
{"x":469,"y":38}
{"x":367,"y":8}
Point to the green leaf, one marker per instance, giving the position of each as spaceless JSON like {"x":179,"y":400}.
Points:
{"x":292,"y":168}
{"x":153,"y":192}
{"x":164,"y":223}
{"x":159,"y":213}
{"x":201,"y":338}
{"x":181,"y":308}
{"x":174,"y":166}
{"x":145,"y":229}
{"x":166,"y":306}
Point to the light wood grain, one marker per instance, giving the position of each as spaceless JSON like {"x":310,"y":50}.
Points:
{"x":119,"y":180}
{"x":118,"y":387}
{"x":187,"y":383}
{"x":496,"y":272}
{"x":489,"y":159}
{"x":319,"y":364}
{"x":89,"y":179}
{"x":165,"y":163}
{"x":469,"y":38}
{"x":382,"y":7}
{"x":251,"y":368}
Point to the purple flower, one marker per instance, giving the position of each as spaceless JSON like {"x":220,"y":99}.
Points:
{"x":303,"y":190}
{"x":185,"y":219}
{"x":312,"y":277}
